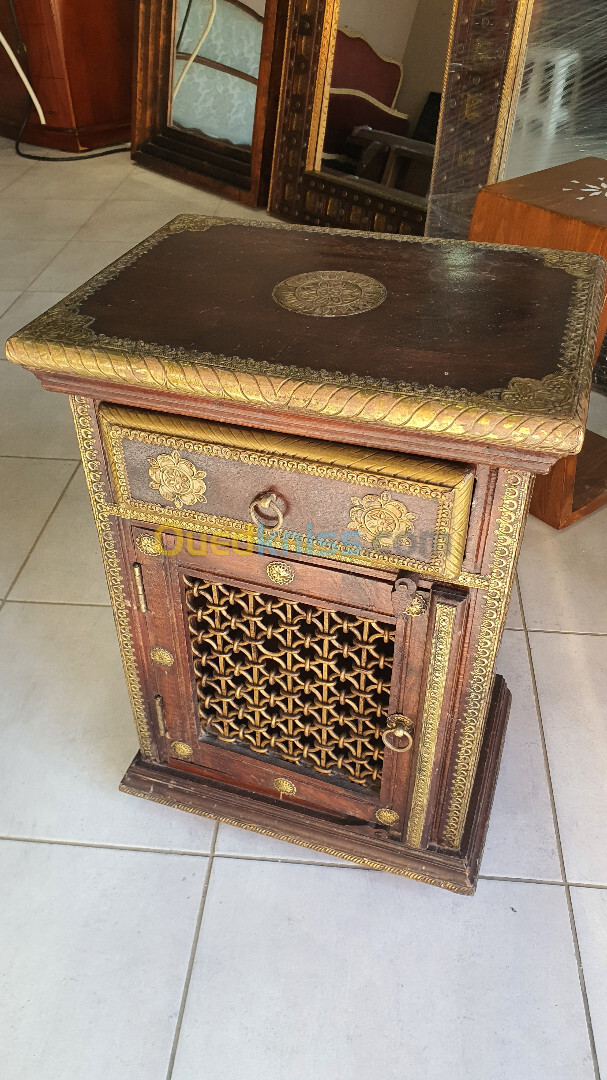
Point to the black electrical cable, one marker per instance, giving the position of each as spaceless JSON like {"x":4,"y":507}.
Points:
{"x":76,"y":157}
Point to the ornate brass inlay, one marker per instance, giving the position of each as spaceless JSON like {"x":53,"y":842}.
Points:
{"x":280,"y":573}
{"x":382,"y":520}
{"x":286,"y":678}
{"x":286,"y":787}
{"x":449,"y":485}
{"x":418,"y":606}
{"x":181,"y":749}
{"x":433,"y":706}
{"x":92,"y":470}
{"x":371,"y":864}
{"x":329,"y":293}
{"x":386,"y":816}
{"x":148,"y":545}
{"x":546,"y":417}
{"x":162,"y":656}
{"x":507,"y":537}
{"x":177,"y":480}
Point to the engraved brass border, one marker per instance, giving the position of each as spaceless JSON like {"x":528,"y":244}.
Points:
{"x":453,"y":503}
{"x":433,"y":706}
{"x":546,"y":414}
{"x":369,"y":864}
{"x":511,"y":521}
{"x":90,"y":461}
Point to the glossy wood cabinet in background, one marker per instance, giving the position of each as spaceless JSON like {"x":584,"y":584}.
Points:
{"x":79,"y":58}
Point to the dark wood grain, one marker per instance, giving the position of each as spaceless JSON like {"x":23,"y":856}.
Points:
{"x":449,"y":317}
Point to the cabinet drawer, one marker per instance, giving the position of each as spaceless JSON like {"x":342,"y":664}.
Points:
{"x":332,"y":500}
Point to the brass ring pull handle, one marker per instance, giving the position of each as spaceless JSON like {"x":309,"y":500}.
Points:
{"x":400,"y":727}
{"x":265,"y":511}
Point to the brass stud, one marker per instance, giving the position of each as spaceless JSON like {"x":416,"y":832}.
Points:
{"x":162,"y":656}
{"x":286,"y":787}
{"x":280,"y":573}
{"x":181,"y":749}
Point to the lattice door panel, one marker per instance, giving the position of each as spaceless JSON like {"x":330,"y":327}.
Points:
{"x":285,"y":678}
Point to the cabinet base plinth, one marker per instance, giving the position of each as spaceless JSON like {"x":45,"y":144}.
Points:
{"x":457,"y":871}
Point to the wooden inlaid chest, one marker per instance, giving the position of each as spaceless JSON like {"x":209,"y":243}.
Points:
{"x":310,"y":456}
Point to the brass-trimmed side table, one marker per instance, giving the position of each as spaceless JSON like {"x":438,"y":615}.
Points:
{"x":310,"y":455}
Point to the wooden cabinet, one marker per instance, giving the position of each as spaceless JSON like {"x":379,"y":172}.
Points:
{"x":79,"y":59}
{"x":310,"y":530}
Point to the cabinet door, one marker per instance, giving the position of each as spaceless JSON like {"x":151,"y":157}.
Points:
{"x":285,"y":677}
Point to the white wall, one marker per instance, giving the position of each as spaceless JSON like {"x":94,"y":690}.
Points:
{"x":384,"y":23}
{"x":425,"y":55}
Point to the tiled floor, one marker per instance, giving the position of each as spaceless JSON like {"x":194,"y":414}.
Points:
{"x":140,"y":943}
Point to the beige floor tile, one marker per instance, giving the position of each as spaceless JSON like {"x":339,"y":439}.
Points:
{"x":94,"y":179}
{"x":571,"y":674}
{"x":349,"y":974}
{"x":514,"y":619}
{"x":33,"y":422}
{"x":67,"y":721}
{"x":29,"y":490}
{"x":66,"y":566}
{"x":27,"y":306}
{"x":597,"y":414}
{"x":11,"y":173}
{"x":562,"y":576}
{"x":521,"y":841}
{"x":43,"y":219}
{"x":8,"y":298}
{"x":143,"y":184}
{"x":133,"y":219}
{"x":230,"y":209}
{"x":96,"y":946}
{"x":24,"y":260}
{"x":590,"y":912}
{"x":77,"y":262}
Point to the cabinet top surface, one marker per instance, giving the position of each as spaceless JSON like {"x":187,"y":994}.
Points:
{"x":575,"y":190}
{"x":467,"y":340}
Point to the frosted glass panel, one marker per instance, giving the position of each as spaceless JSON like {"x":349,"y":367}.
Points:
{"x":216,"y":66}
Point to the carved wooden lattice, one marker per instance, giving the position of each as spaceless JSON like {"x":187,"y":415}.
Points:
{"x":307,"y":684}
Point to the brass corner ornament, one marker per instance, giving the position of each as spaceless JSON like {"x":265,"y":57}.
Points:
{"x":329,"y":294}
{"x":280,"y":573}
{"x":382,"y":520}
{"x":386,"y":816}
{"x":177,"y":480}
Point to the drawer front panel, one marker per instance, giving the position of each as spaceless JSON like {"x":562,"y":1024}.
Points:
{"x":339,"y":502}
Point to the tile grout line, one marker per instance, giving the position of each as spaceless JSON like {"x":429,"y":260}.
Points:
{"x":566,"y":883}
{"x":193,"y":951}
{"x":275,"y":859}
{"x":45,"y":523}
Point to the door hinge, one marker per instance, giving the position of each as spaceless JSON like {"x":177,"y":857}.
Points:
{"x":138,"y":575}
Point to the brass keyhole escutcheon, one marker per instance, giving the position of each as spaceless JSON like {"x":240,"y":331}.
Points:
{"x":398,"y":727}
